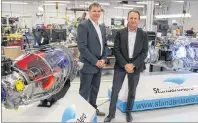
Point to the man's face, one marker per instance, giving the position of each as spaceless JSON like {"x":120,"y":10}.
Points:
{"x":133,"y":19}
{"x":94,"y":13}
{"x":49,"y":27}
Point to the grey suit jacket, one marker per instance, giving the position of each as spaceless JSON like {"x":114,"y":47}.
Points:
{"x":140,"y":50}
{"x":89,"y":46}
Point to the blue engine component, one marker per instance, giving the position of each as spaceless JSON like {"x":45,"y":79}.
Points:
{"x":57,"y":58}
{"x":3,"y":95}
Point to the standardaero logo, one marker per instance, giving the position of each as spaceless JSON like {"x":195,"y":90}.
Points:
{"x":176,"y":80}
{"x":69,"y":113}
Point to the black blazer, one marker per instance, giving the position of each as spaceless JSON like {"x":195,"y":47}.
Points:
{"x":140,"y":50}
{"x":89,"y":46}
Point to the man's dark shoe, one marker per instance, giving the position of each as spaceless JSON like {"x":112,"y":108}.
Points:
{"x":109,"y":118}
{"x":129,"y":117}
{"x":99,"y":113}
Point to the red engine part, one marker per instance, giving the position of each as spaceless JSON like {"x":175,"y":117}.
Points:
{"x":38,"y":69}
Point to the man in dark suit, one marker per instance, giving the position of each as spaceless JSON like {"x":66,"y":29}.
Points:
{"x":91,"y":40}
{"x":130,"y":49}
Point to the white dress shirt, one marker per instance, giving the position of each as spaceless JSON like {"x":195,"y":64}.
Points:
{"x":131,"y":42}
{"x":97,"y":27}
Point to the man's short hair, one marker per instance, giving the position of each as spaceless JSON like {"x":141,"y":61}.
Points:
{"x":135,"y":11}
{"x":85,"y":13}
{"x":49,"y":25}
{"x":95,"y":4}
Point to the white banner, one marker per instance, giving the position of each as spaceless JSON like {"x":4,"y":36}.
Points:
{"x":162,"y":86}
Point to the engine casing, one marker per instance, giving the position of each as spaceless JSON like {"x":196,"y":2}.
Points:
{"x":37,"y":75}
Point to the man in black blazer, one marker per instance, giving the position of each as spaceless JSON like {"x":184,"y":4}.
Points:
{"x":130,"y":49}
{"x":91,"y":40}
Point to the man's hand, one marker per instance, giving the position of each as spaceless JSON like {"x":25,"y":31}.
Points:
{"x":129,"y":68}
{"x":100,"y":63}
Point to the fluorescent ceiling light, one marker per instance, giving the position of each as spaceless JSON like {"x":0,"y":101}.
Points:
{"x":83,"y":5}
{"x":14,"y":3}
{"x":161,"y":16}
{"x":57,"y":1}
{"x":174,"y":16}
{"x":179,"y":1}
{"x":104,"y":4}
{"x":40,"y":8}
{"x":120,"y":17}
{"x":54,"y":4}
{"x":141,"y":2}
{"x":119,"y":7}
{"x":133,"y":5}
{"x":142,"y":17}
{"x":145,"y":3}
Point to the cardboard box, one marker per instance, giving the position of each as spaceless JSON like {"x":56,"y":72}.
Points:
{"x":12,"y":51}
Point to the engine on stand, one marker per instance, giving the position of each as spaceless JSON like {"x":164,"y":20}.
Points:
{"x":43,"y":74}
{"x":174,"y":54}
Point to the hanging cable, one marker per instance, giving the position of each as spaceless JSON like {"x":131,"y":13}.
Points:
{"x":103,"y":103}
